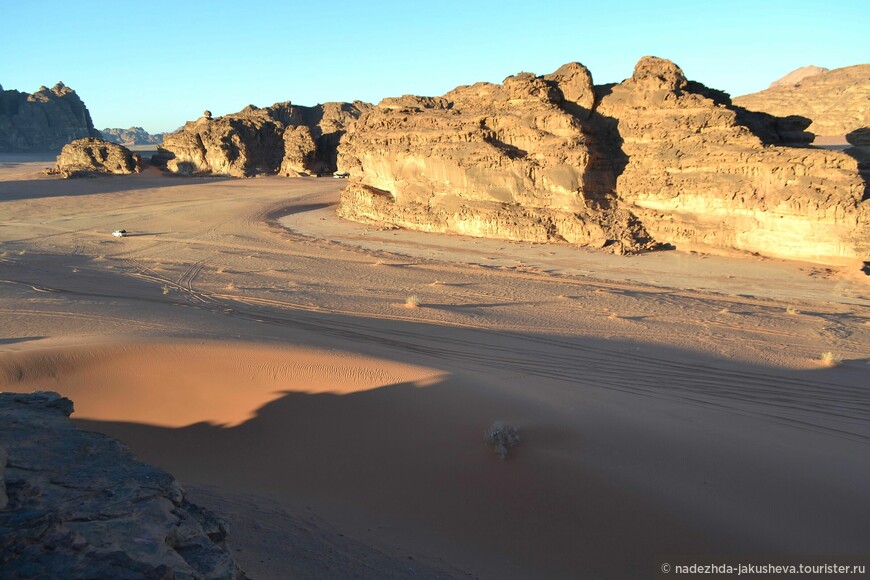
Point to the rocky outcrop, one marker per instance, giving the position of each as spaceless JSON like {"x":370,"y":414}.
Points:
{"x":656,"y":159}
{"x":80,"y":506}
{"x":43,"y":121}
{"x":284,"y":138}
{"x":132,"y":136}
{"x":701,"y":175}
{"x":87,"y":157}
{"x":835,"y":100}
{"x":506,"y":161}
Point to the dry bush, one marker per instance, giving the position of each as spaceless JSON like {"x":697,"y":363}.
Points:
{"x":501,"y":437}
{"x":829,"y":359}
{"x":412,"y":301}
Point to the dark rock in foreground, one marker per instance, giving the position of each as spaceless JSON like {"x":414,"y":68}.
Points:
{"x":80,"y":506}
{"x":43,"y":121}
{"x":85,"y":157}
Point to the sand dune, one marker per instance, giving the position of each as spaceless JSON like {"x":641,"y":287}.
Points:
{"x":668,"y":404}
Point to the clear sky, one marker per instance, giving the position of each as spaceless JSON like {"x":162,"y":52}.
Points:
{"x":157,"y":64}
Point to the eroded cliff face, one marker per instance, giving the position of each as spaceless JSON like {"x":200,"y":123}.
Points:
{"x":698,"y":175}
{"x":506,"y":161}
{"x":653,"y":160}
{"x":76,"y":504}
{"x":836,"y":100}
{"x":284,"y":138}
{"x":43,"y":121}
{"x":85,"y":157}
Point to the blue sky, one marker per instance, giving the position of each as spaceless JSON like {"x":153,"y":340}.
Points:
{"x":157,"y":64}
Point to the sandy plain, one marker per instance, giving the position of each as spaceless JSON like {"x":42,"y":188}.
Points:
{"x":260,"y":349}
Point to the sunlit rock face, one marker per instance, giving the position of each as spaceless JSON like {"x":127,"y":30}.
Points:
{"x":699,"y":175}
{"x":86,"y":157}
{"x":43,"y":121}
{"x":284,"y":138}
{"x":836,"y":101}
{"x":511,"y":161}
{"x":656,"y":159}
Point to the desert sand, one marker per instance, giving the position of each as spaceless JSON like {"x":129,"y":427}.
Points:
{"x":261,"y":349}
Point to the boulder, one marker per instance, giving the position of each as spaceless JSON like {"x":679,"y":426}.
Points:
{"x":43,"y":121}
{"x":859,"y":137}
{"x":80,"y":506}
{"x":654,"y":160}
{"x":87,"y":157}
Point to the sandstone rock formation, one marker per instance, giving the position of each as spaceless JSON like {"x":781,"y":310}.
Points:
{"x":837,"y":101}
{"x":43,"y":121}
{"x":86,"y":157}
{"x":284,"y":138}
{"x":80,"y":506}
{"x":656,"y":159}
{"x":796,"y":76}
{"x":132,"y":136}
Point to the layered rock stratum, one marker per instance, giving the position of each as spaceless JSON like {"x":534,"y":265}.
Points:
{"x":131,"y":137}
{"x":284,"y":138}
{"x":76,"y":504}
{"x":43,"y":121}
{"x":654,"y":160}
{"x":836,"y":101}
{"x":87,"y":157}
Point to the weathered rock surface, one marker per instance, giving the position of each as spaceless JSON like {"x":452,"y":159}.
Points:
{"x":132,"y":136}
{"x":506,"y":161}
{"x":86,"y":157}
{"x":656,"y":159}
{"x":837,"y":101}
{"x":80,"y":506}
{"x":700,"y":175}
{"x":43,"y":121}
{"x":283,"y":138}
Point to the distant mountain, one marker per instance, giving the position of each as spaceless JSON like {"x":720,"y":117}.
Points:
{"x":797,"y":75}
{"x":43,"y":121}
{"x":132,"y":136}
{"x":835,"y":100}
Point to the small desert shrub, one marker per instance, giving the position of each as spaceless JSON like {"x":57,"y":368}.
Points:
{"x":501,"y":437}
{"x":724,"y":311}
{"x":792,"y":311}
{"x":412,"y":301}
{"x":829,"y":359}
{"x":166,"y":290}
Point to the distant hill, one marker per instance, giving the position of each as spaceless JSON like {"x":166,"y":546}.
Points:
{"x":797,"y":75}
{"x":132,"y":136}
{"x":43,"y":121}
{"x":835,"y":100}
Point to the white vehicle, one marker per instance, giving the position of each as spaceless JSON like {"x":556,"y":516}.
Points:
{"x":119,"y":233}
{"x":341,"y":175}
